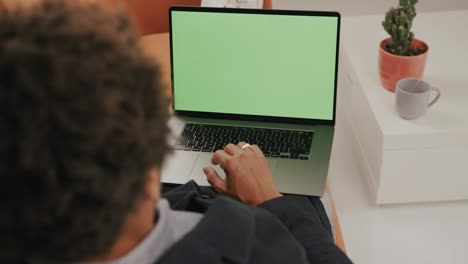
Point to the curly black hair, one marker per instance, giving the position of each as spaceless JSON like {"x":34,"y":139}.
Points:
{"x":83,"y":118}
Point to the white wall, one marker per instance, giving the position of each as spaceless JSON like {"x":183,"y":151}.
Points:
{"x":364,"y":7}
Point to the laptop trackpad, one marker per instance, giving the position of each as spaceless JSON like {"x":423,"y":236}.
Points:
{"x":198,"y":175}
{"x":177,"y":167}
{"x":272,"y":163}
{"x":205,"y":160}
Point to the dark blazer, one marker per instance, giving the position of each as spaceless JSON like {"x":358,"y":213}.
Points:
{"x":290,"y":229}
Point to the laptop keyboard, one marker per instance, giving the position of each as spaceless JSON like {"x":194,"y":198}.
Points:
{"x":275,"y":143}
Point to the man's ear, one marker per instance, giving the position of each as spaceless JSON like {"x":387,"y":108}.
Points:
{"x":153,"y":183}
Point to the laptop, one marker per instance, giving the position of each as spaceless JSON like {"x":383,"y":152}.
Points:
{"x":266,"y":77}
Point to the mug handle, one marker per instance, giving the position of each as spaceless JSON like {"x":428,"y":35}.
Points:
{"x":434,"y":89}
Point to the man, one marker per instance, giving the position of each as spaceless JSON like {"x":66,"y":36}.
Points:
{"x":82,"y":140}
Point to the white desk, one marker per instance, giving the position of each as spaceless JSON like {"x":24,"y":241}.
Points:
{"x":409,"y":233}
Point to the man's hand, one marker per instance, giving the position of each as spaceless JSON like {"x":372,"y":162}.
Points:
{"x":248,"y":176}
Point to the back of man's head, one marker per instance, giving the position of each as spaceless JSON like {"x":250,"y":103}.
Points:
{"x":82,"y":120}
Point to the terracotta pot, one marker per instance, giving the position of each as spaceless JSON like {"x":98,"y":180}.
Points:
{"x":392,"y":68}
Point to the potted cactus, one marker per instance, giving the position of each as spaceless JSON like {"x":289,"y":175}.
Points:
{"x":401,"y":55}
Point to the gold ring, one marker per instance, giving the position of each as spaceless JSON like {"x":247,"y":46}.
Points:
{"x":247,"y":145}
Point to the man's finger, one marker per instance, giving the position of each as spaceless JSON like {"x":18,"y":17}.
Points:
{"x":242,"y":146}
{"x":249,"y":148}
{"x":232,"y":149}
{"x":218,"y":184}
{"x":219,"y":157}
{"x":257,"y":150}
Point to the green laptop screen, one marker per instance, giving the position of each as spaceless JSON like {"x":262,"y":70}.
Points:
{"x":254,"y":64}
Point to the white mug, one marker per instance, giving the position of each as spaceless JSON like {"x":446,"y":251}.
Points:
{"x":413,"y":97}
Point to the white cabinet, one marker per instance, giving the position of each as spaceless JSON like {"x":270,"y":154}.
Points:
{"x":409,"y":161}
